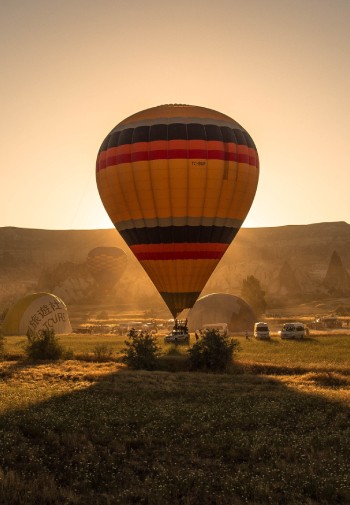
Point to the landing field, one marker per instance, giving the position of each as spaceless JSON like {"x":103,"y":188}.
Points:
{"x":320,"y":351}
{"x":274,"y":430}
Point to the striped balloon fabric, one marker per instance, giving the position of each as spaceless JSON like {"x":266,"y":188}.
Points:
{"x":177,"y":182}
{"x":106,"y":265}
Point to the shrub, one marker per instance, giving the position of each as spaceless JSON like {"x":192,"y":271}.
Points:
{"x":213,"y":352}
{"x":102,"y":352}
{"x":141,"y":351}
{"x":44,"y":345}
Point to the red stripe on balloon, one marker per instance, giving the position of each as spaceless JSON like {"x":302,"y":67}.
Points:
{"x":118,"y":159}
{"x":179,"y":251}
{"x":179,"y":255}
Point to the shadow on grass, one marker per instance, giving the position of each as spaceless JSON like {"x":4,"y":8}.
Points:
{"x":271,"y":369}
{"x":184,"y":438}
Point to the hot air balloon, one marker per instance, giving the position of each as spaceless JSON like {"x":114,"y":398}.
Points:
{"x":106,"y":265}
{"x":221,"y":308}
{"x":36,"y":312}
{"x":177,"y":182}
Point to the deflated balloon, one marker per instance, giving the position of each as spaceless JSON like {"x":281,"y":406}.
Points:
{"x":177,"y":182}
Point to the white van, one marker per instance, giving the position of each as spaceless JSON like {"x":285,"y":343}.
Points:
{"x":261,"y":330}
{"x":222,"y":328}
{"x":293,"y":330}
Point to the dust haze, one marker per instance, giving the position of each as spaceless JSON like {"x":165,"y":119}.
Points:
{"x":302,"y":268}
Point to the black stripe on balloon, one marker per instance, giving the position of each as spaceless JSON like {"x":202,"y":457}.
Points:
{"x":177,"y":131}
{"x":179,"y":234}
{"x":177,"y":302}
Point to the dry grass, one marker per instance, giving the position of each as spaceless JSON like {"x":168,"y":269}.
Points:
{"x":78,"y":432}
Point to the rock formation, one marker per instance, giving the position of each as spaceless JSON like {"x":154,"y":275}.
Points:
{"x":337,"y":279}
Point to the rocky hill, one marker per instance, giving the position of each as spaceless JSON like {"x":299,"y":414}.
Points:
{"x":284,"y":259}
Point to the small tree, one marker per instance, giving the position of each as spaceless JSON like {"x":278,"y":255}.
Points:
{"x":44,"y":345}
{"x":253,"y":294}
{"x":141,"y":351}
{"x":213,"y":352}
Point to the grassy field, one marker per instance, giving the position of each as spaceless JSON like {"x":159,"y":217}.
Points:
{"x":317,"y":352}
{"x":275,"y":430}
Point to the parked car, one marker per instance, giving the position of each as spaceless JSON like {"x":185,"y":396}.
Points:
{"x":293,"y":330}
{"x":176,"y":336}
{"x":261,"y":330}
{"x":221,"y":328}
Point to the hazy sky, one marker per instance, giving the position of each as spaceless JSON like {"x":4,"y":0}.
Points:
{"x":73,"y":69}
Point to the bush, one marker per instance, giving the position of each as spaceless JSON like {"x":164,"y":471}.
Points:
{"x":213,"y":352}
{"x":44,"y":345}
{"x":141,"y":351}
{"x":102,"y":353}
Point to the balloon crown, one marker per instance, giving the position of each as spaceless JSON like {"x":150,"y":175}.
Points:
{"x":175,"y":105}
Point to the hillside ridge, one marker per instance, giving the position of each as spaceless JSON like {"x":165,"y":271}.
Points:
{"x":29,"y":256}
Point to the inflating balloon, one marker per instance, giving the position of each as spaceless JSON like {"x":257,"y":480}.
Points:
{"x":177,"y":182}
{"x":36,"y":312}
{"x":106,"y":265}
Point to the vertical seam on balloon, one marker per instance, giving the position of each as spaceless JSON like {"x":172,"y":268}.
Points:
{"x":245,"y":186}
{"x":149,"y":165}
{"x":169,"y":181}
{"x":186,"y":271}
{"x":156,"y":280}
{"x":138,"y":199}
{"x":168,"y":161}
{"x":220,"y":192}
{"x":177,"y":264}
{"x":235,"y":193}
{"x":206,"y":181}
{"x":248,"y":198}
{"x":200,"y":271}
{"x":201,"y":263}
{"x":124,"y":197}
{"x":162,"y":265}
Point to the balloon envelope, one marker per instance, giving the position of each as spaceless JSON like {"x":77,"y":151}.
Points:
{"x":106,"y":265}
{"x":221,"y":308}
{"x":177,"y":182}
{"x":36,"y":312}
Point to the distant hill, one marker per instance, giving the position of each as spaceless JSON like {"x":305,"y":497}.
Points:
{"x":28,"y":255}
